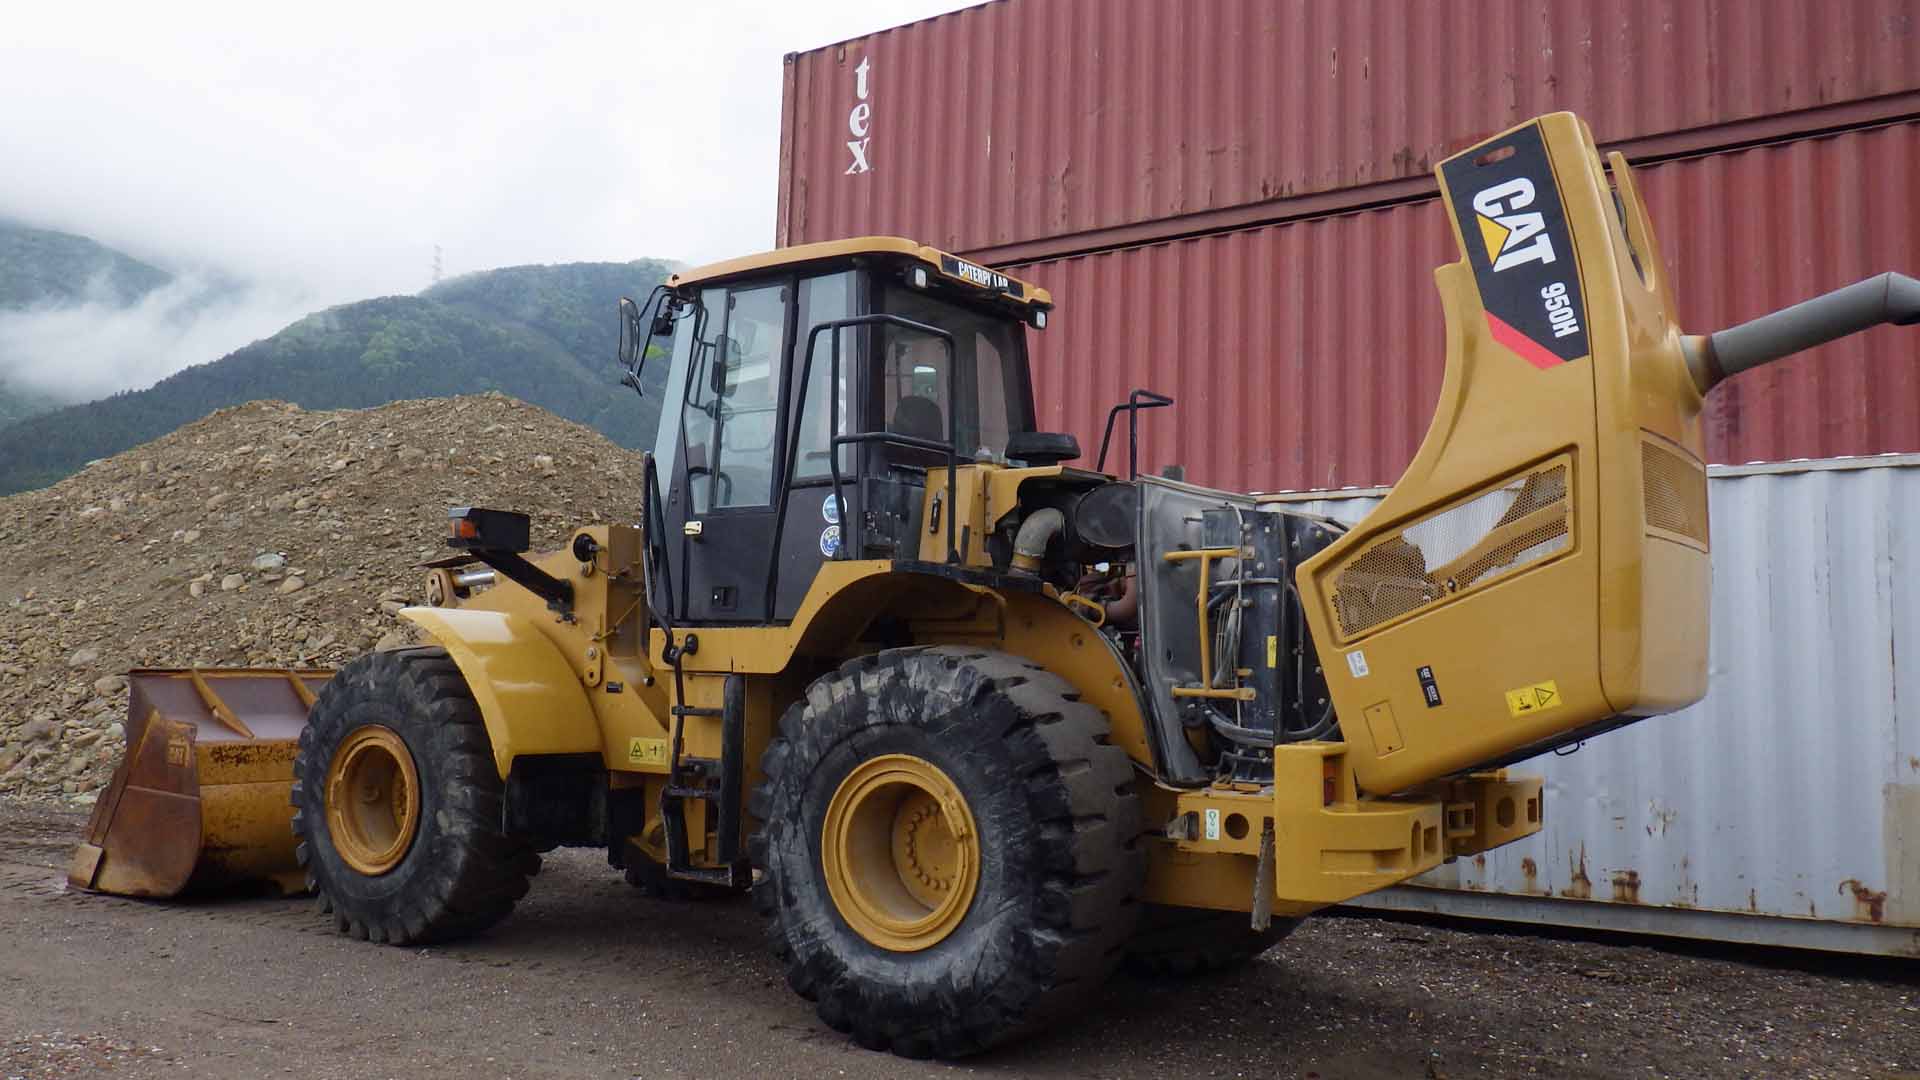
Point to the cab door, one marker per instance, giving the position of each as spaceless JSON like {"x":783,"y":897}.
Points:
{"x":727,"y":406}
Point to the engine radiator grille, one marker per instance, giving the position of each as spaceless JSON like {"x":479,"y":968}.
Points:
{"x":1520,"y":520}
{"x":1675,"y":489}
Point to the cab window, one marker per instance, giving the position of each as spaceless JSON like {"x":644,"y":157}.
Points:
{"x":988,"y":400}
{"x":730,"y":410}
{"x":824,"y":299}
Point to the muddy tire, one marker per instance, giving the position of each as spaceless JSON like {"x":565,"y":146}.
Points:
{"x":1055,"y":821}
{"x":398,"y":805}
{"x":1176,"y":942}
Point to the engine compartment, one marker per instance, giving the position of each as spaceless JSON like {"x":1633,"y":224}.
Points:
{"x":1195,"y":588}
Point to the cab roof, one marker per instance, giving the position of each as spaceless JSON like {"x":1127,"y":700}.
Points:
{"x":952,"y":267}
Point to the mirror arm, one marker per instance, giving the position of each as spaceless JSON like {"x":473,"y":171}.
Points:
{"x":638,"y":328}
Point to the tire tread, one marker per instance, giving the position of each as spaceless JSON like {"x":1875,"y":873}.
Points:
{"x":477,"y":871}
{"x":1086,"y":818}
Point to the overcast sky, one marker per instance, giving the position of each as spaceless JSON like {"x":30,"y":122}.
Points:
{"x":324,"y":150}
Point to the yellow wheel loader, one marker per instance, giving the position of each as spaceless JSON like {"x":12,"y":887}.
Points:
{"x":975,"y":724}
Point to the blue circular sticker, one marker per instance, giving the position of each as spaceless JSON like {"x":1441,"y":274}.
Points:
{"x":830,"y":509}
{"x":830,"y":541}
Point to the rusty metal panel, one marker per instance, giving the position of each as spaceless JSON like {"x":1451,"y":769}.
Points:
{"x":1791,"y":794}
{"x":1309,"y":355}
{"x":1026,"y":119}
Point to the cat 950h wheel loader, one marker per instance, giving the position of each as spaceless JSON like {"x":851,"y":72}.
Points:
{"x":974,"y":724}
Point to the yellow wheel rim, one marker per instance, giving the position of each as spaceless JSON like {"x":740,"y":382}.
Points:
{"x":373,"y":800}
{"x":901,"y":853}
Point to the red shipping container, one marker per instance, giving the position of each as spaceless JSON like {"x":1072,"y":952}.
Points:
{"x":1309,"y":355}
{"x":1024,"y":129}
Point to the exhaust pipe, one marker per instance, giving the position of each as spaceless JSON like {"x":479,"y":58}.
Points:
{"x":1887,"y":298}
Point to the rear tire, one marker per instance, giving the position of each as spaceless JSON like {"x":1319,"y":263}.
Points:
{"x":437,"y":865}
{"x":1054,"y":821}
{"x":1177,"y":942}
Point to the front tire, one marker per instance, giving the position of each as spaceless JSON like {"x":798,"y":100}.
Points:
{"x":398,"y":804}
{"x":948,"y":850}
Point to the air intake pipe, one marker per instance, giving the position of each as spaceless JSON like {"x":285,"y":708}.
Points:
{"x":1887,"y":298}
{"x":1030,"y":543}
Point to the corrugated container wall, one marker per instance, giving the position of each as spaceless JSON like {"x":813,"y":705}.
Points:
{"x":1292,"y":363}
{"x":1309,"y":354}
{"x":1027,"y":119}
{"x":1784,"y":808}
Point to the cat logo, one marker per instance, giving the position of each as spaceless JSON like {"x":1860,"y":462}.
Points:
{"x":1513,"y":230}
{"x":1511,"y":233}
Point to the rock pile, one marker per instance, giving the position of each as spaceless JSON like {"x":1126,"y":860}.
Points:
{"x":260,"y":535}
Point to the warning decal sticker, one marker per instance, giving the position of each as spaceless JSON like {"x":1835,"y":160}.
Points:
{"x":1539,"y":697}
{"x":646,"y":751}
{"x":1515,"y":231}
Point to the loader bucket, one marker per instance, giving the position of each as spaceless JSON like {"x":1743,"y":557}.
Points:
{"x":201,"y":800}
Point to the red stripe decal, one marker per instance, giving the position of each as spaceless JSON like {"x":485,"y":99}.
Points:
{"x":1525,"y":347}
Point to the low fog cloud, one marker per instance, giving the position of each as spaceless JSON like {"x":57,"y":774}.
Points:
{"x":321,"y":154}
{"x":98,"y":347}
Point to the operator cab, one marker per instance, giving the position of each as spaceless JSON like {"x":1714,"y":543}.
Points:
{"x":906,"y":359}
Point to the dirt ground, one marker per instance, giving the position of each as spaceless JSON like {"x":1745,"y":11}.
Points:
{"x":588,"y":979}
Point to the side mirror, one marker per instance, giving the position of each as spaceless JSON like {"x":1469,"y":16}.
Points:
{"x":639,"y":326}
{"x":632,"y":343}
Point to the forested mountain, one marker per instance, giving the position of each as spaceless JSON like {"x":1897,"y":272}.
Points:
{"x":39,"y":267}
{"x":544,"y":334}
{"x":19,"y":402}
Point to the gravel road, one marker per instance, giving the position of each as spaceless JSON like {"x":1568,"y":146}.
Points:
{"x":588,"y":979}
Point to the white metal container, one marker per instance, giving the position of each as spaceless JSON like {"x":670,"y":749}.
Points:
{"x":1783,"y":809}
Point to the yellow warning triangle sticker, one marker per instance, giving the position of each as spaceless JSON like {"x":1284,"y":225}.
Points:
{"x":1522,"y":700}
{"x":1493,"y":234}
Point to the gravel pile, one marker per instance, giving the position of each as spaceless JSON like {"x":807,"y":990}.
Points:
{"x":261,"y":535}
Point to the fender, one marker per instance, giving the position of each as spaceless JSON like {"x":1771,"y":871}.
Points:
{"x":531,"y":700}
{"x":1030,"y":623}
{"x":1049,"y":633}
{"x":1014,"y":615}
